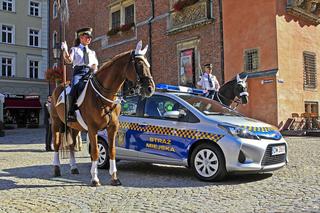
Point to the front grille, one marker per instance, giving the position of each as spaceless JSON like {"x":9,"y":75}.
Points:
{"x":268,"y":159}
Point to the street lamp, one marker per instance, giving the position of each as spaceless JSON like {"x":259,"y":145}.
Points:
{"x":56,"y":51}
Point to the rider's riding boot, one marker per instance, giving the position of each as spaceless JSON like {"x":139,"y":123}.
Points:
{"x":72,"y":107}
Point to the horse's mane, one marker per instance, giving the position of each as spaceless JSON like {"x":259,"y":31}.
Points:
{"x":227,"y":84}
{"x":109,"y":62}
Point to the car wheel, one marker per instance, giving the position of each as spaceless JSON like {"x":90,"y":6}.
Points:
{"x":103,"y":160}
{"x":208,"y":163}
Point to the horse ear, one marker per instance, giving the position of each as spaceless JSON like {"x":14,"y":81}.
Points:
{"x":138,"y":48}
{"x":238,"y":78}
{"x":144,"y":51}
{"x":245,"y":78}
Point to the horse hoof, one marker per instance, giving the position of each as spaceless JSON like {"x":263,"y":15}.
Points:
{"x":115,"y":182}
{"x":95,"y":183}
{"x":75,"y":171}
{"x":56,"y":171}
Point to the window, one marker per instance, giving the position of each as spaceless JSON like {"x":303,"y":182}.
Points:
{"x":34,"y":37}
{"x":6,"y":66}
{"x":121,"y":14}
{"x":251,"y":60}
{"x":8,"y":5}
{"x":129,"y":14}
{"x":33,"y":69}
{"x":7,"y":34}
{"x":54,"y":40}
{"x":55,"y":9}
{"x":34,"y":8}
{"x":310,"y":72}
{"x":116,"y":19}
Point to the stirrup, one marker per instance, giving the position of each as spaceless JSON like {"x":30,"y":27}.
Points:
{"x":71,"y":117}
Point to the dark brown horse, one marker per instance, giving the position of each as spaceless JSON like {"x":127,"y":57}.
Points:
{"x":234,"y":91}
{"x":100,"y":108}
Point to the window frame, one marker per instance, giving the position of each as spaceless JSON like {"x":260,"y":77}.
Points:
{"x":121,"y":6}
{"x":306,"y":83}
{"x":13,"y":68}
{"x":34,"y":68}
{"x":39,"y":37}
{"x":13,"y":33}
{"x":55,"y":10}
{"x":13,"y":5}
{"x":39,"y":8}
{"x":246,"y":60}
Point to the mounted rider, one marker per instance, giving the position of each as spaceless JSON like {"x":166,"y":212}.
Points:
{"x":83,"y":59}
{"x":209,"y":82}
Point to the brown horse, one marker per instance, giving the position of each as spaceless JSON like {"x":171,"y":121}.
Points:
{"x":100,"y":108}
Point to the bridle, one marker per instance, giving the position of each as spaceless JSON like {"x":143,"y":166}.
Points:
{"x":140,"y":78}
{"x":99,"y":89}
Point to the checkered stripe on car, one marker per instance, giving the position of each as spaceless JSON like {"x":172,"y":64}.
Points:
{"x":185,"y":133}
{"x":258,"y":129}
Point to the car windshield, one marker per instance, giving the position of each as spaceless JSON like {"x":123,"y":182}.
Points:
{"x":207,"y":106}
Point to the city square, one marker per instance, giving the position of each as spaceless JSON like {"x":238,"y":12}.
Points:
{"x":27,"y":183}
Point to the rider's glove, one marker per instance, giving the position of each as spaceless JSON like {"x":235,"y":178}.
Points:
{"x":64,"y":46}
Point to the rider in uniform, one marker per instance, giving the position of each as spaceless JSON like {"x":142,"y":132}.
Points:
{"x":209,"y":82}
{"x":83,"y":59}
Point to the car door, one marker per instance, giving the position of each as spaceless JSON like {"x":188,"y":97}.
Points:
{"x":163,"y":138}
{"x":127,"y":139}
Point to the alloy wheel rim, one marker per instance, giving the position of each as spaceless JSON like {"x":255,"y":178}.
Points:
{"x":206,"y":163}
{"x":102,"y":154}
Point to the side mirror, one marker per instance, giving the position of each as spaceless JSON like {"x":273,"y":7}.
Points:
{"x":175,"y":114}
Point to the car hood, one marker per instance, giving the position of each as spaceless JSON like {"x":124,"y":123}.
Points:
{"x":261,"y":129}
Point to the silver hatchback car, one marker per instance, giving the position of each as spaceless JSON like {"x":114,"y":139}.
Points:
{"x":181,"y":128}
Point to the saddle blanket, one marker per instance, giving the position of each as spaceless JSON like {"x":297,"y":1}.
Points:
{"x":61,"y":100}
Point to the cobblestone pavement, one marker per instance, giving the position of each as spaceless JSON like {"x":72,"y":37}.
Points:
{"x":27,"y":185}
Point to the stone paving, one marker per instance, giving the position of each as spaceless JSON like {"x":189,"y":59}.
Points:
{"x":27,"y":184}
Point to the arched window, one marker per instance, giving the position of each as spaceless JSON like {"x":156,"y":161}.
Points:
{"x":55,"y":9}
{"x":54,"y":39}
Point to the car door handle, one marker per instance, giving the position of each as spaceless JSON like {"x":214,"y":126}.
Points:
{"x":143,"y":124}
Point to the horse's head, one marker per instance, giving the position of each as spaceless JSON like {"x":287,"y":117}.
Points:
{"x":240,"y":90}
{"x":139,"y":73}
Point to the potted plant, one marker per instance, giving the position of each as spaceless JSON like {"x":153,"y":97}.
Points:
{"x":127,"y":27}
{"x":113,"y":31}
{"x":54,"y":75}
{"x":180,"y":4}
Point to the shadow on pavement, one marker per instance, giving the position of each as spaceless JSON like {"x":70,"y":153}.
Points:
{"x":21,"y":150}
{"x":137,"y":175}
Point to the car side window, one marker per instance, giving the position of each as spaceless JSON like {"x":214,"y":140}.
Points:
{"x":160,"y":106}
{"x":130,"y":106}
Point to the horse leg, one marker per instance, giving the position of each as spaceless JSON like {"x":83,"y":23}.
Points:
{"x":73,"y":165}
{"x":56,"y":144}
{"x":94,"y":152}
{"x":112,"y":132}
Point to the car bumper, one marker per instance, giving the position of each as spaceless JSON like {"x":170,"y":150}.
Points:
{"x":252,"y":156}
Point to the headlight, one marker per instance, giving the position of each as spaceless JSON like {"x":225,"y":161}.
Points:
{"x":239,"y":132}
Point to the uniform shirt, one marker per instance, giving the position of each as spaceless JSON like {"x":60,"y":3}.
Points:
{"x":204,"y":82}
{"x":78,"y":57}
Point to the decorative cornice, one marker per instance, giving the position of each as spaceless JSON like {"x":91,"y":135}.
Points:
{"x":306,"y":9}
{"x":190,"y":17}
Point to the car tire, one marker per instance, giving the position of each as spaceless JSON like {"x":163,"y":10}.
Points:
{"x":208,"y":163}
{"x":103,"y":160}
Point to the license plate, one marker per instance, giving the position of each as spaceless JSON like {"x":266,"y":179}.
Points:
{"x":278,"y":150}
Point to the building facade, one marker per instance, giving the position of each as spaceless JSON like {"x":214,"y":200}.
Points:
{"x":181,"y":38}
{"x":276,"y":43}
{"x":23,"y":60}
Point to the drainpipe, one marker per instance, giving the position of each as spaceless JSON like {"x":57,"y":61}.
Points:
{"x":150,"y":34}
{"x":48,"y":43}
{"x":222,"y":43}
{"x":210,"y":9}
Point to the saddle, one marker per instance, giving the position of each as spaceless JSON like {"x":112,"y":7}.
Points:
{"x":78,"y":88}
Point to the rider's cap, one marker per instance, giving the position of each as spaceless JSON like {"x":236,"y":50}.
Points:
{"x":85,"y":31}
{"x":208,"y":65}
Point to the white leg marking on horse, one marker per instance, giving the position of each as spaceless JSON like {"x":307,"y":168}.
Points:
{"x":56,"y":160}
{"x":94,"y":171}
{"x":72,"y":160}
{"x":113,"y":167}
